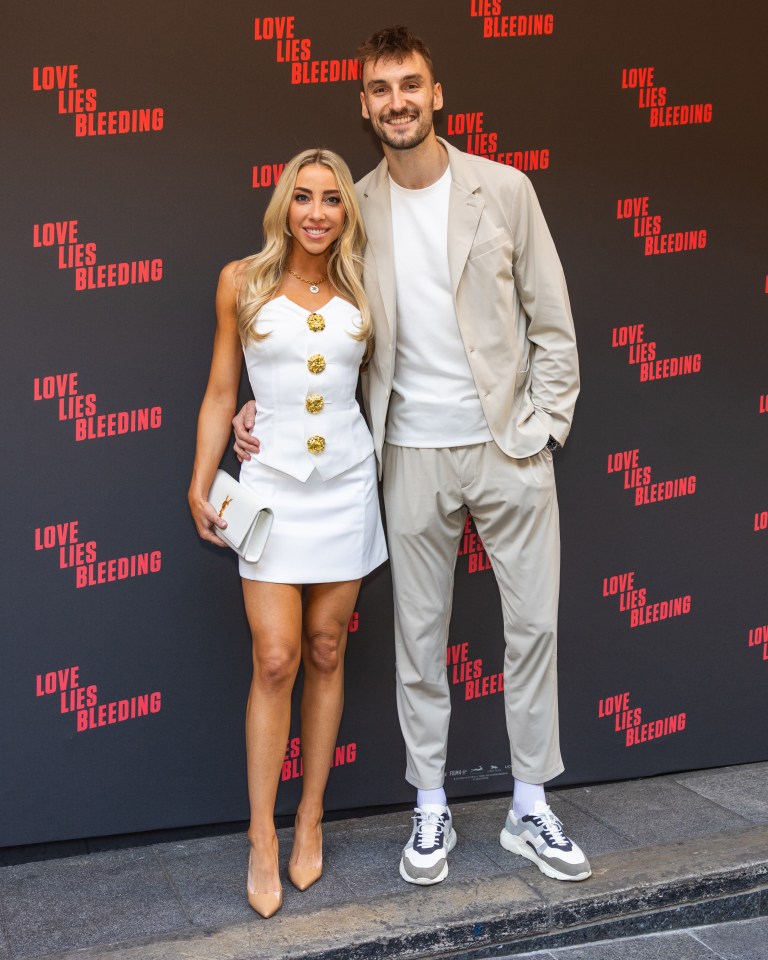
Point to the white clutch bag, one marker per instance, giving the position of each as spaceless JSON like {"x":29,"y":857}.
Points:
{"x":248,"y":520}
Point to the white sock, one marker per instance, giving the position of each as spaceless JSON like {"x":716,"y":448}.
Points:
{"x":432,"y":798}
{"x":525,"y":797}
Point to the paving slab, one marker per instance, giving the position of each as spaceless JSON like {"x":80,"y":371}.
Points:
{"x":747,"y":940}
{"x":395,"y":820}
{"x":82,"y":901}
{"x":650,"y":811}
{"x":740,"y":940}
{"x":741,"y":789}
{"x":663,"y":946}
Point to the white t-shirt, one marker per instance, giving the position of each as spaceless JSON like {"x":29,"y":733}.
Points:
{"x":434,"y":399}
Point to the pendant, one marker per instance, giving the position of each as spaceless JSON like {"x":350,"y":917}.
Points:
{"x":313,"y":288}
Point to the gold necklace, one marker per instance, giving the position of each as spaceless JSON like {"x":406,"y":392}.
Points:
{"x":314,"y":285}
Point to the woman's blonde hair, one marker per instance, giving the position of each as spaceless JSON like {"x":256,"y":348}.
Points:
{"x":259,"y":276}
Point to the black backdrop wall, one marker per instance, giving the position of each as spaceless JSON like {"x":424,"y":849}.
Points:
{"x":142,"y":142}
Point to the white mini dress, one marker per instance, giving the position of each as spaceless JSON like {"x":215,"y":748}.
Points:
{"x":316,"y":468}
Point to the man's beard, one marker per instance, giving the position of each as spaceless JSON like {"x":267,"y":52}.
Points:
{"x":414,"y":138}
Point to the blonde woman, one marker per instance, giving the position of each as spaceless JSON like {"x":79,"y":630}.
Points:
{"x":298,"y":313}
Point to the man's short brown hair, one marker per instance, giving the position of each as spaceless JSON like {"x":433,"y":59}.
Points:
{"x":394,"y":43}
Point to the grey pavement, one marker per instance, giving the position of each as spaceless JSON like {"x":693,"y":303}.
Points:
{"x":680,"y":872}
{"x":738,"y":940}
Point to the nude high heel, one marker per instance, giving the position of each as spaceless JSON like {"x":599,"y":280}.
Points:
{"x":303,"y":877}
{"x":265,"y":904}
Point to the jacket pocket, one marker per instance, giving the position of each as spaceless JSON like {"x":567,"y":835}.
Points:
{"x":488,"y":246}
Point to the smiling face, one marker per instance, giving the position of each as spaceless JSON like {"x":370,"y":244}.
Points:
{"x":399,"y":98}
{"x":316,"y":214}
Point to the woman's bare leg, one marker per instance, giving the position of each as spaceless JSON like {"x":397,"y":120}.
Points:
{"x":327,"y":610}
{"x":274,"y":613}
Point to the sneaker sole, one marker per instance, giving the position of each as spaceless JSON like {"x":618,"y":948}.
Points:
{"x":515,"y":845}
{"x":450,"y":843}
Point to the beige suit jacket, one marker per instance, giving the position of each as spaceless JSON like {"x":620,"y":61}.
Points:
{"x":511,"y":302}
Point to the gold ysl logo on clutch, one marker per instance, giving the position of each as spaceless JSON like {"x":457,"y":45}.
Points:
{"x":225,"y":504}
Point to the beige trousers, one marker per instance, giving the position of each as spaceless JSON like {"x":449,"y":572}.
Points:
{"x":514,"y":505}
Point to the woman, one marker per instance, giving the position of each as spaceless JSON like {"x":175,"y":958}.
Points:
{"x":298,"y":312}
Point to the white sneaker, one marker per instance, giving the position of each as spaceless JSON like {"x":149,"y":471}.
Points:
{"x":539,"y":838}
{"x":425,"y":856}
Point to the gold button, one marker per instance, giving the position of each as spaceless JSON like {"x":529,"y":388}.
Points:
{"x":314,"y":402}
{"x":316,"y":363}
{"x":316,"y":444}
{"x":316,"y":322}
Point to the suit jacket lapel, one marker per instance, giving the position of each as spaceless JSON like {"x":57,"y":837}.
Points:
{"x":377,"y":214}
{"x":464,"y":212}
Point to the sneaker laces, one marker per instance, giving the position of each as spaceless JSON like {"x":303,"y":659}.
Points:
{"x":552,"y":829}
{"x":429,"y":829}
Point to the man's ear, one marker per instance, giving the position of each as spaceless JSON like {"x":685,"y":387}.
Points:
{"x":364,"y":106}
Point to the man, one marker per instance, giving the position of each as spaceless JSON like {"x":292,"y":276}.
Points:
{"x":471,"y":388}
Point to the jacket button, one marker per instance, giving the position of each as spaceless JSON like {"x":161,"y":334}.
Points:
{"x":316,"y":322}
{"x":314,"y":402}
{"x":316,"y":363}
{"x":316,"y":444}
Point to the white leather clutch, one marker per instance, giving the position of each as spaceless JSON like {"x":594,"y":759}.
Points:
{"x":248,"y":520}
